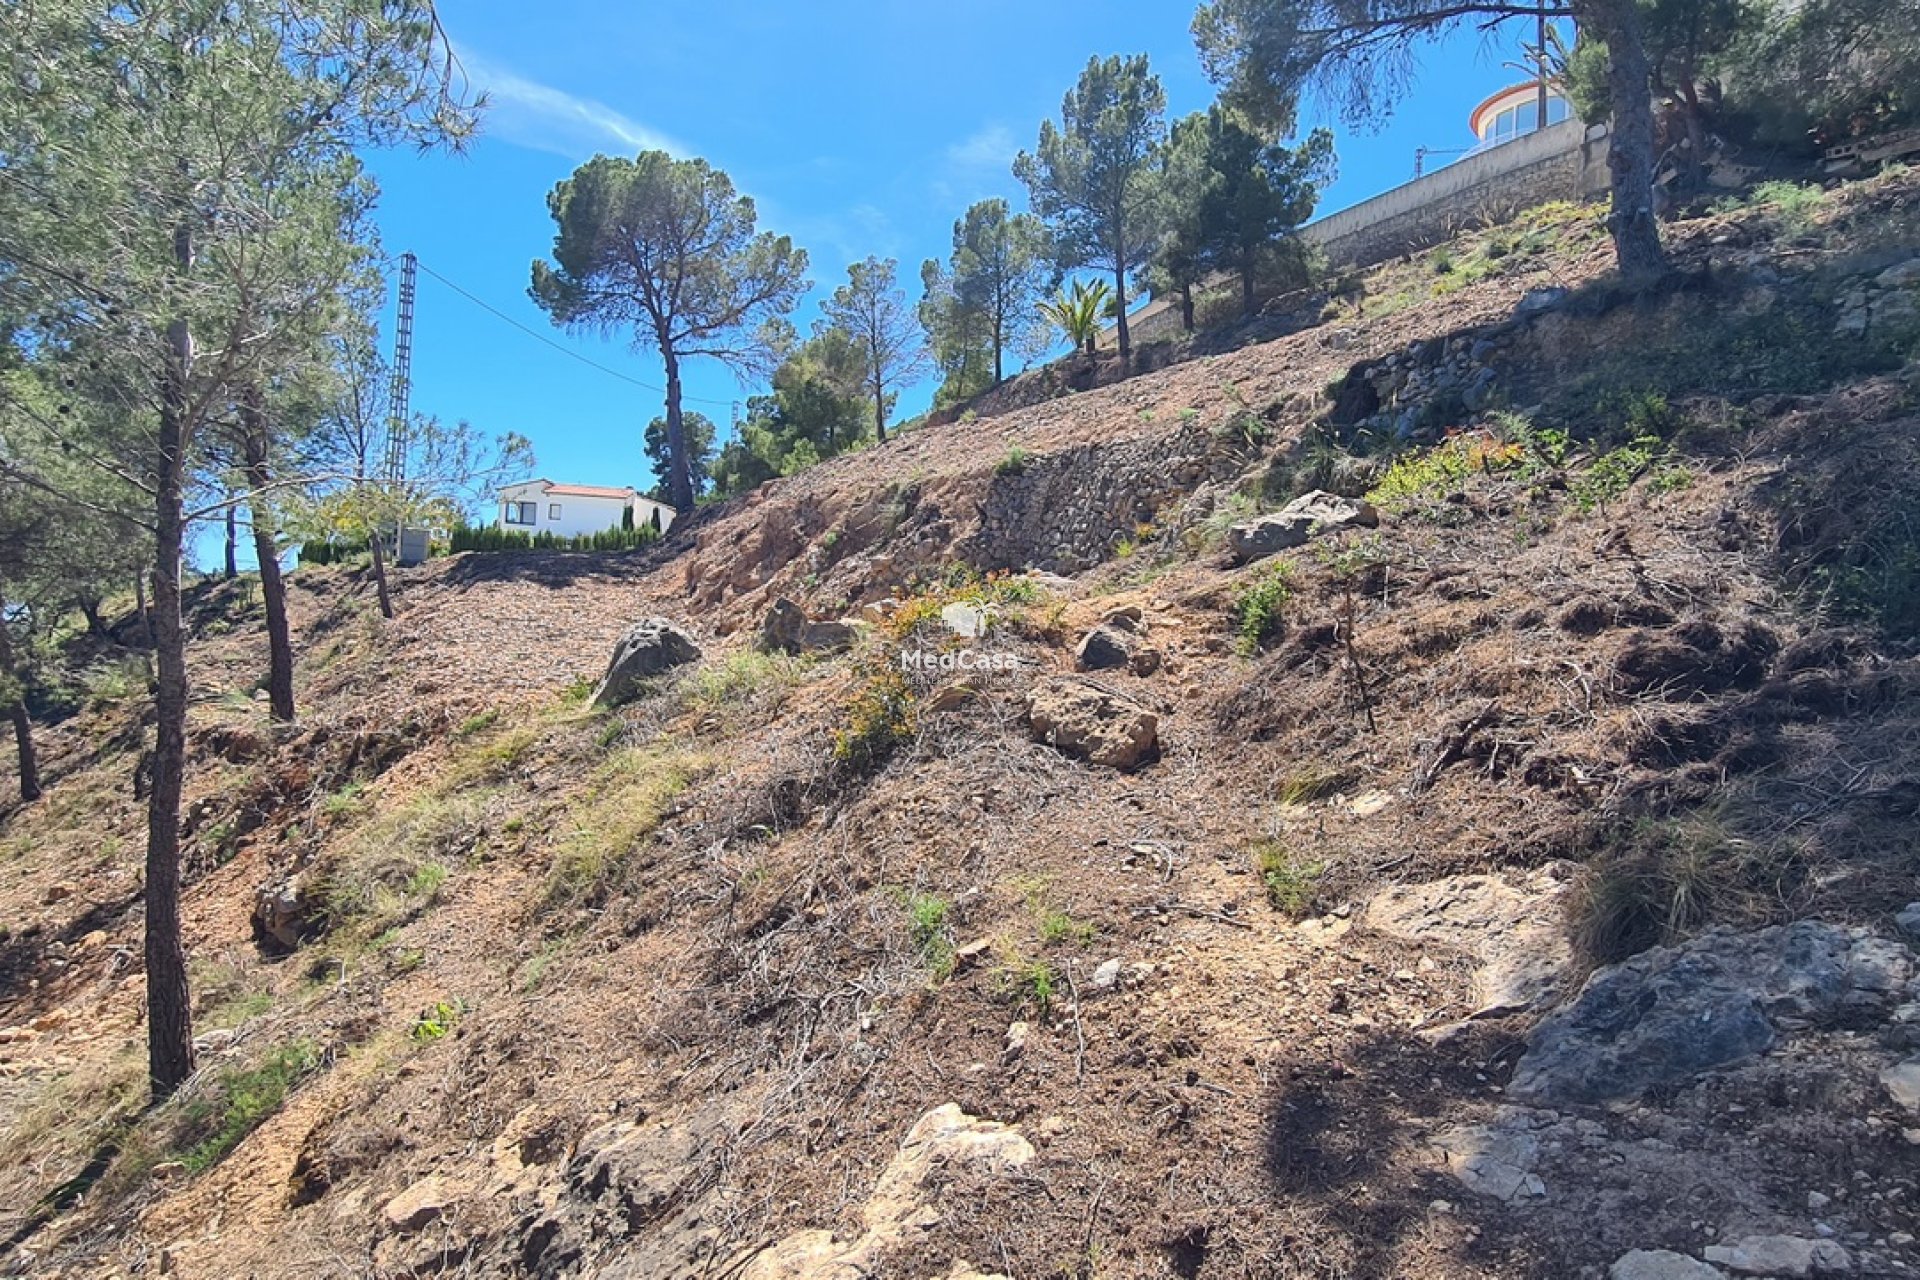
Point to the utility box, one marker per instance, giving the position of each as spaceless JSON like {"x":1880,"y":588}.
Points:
{"x":414,"y":547}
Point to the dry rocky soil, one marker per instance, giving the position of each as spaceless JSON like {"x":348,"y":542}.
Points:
{"x":1499,"y":870}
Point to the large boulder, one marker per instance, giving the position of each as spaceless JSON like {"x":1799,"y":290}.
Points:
{"x":788,"y":629}
{"x":1291,"y":526}
{"x":1673,"y":1012}
{"x":1093,"y":724}
{"x":648,"y":648}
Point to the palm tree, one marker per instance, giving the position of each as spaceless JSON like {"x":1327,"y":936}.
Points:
{"x":1077,"y":312}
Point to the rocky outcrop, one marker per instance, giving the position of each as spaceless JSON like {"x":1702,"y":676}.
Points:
{"x":1083,"y":720}
{"x":1673,"y":1012}
{"x":1496,"y":1160}
{"x":945,"y":1143}
{"x":1512,"y":925}
{"x":647,"y":649}
{"x":788,"y":629}
{"x":1891,"y":298}
{"x":1295,"y":523}
{"x":286,"y":913}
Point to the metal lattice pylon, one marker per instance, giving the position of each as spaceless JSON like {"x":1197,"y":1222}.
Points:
{"x":402,"y":391}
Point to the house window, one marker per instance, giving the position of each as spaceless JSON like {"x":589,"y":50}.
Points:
{"x":520,"y":512}
{"x":1556,"y":110}
{"x":553,"y":511}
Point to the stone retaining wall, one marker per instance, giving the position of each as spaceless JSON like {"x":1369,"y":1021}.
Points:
{"x":1566,"y":161}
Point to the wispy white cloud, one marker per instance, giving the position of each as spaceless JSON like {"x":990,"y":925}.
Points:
{"x":530,"y":114}
{"x":989,"y":147}
{"x":980,"y":164}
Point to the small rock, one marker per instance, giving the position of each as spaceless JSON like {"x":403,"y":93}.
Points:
{"x":1904,"y":275}
{"x":1494,"y":1160}
{"x":965,"y":957}
{"x":787,"y":629}
{"x":1540,"y":300}
{"x":1107,"y":975}
{"x":1792,"y":1257}
{"x":418,"y":1205}
{"x":1109,"y":646}
{"x":1816,"y":1201}
{"x":1017,"y":1034}
{"x":58,"y":893}
{"x":1902,"y":1083}
{"x":1661,"y":1264}
{"x":952,"y":697}
{"x":1909,"y":920}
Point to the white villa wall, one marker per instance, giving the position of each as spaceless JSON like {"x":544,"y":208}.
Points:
{"x":578,"y":515}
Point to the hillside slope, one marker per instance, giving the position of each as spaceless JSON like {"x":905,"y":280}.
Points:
{"x":1493,"y":893}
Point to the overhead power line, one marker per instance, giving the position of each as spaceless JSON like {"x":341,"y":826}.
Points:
{"x":564,"y":350}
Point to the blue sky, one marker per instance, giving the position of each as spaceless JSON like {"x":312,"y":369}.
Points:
{"x":858,"y":128}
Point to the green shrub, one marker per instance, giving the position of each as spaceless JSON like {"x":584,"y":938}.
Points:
{"x":1292,"y":883}
{"x":878,"y":720}
{"x":333,"y":551}
{"x":1029,"y":981}
{"x":1056,"y":926}
{"x":1257,"y":606}
{"x":1792,"y":203}
{"x":435,"y":1022}
{"x":1013,"y":462}
{"x":241,"y":1100}
{"x":927,"y":917}
{"x":477,"y":723}
{"x":490,"y":538}
{"x":1609,"y":476}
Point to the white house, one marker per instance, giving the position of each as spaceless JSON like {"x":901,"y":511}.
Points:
{"x":568,"y":510}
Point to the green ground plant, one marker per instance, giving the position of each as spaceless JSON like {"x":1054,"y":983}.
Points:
{"x":1292,"y":883}
{"x":1259,"y":606}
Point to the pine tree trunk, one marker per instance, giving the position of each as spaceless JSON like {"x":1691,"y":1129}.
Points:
{"x":380,"y":576}
{"x":1120,"y":311}
{"x":1246,"y":283}
{"x":1636,"y":233}
{"x":17,"y":712}
{"x":680,"y":477}
{"x":169,"y":1007}
{"x":1186,"y":306}
{"x":233,"y":540}
{"x":273,"y":587}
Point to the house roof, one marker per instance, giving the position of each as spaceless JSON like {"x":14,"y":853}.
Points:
{"x":572,"y":490}
{"x":589,"y":491}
